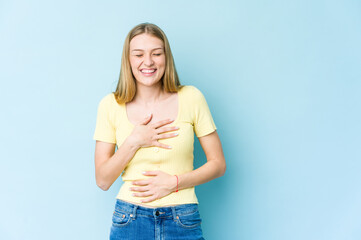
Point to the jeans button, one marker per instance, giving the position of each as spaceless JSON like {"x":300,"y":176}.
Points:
{"x":157,"y":213}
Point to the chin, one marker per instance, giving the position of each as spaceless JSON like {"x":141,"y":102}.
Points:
{"x":149,"y":83}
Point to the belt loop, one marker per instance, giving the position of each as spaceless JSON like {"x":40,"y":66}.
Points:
{"x":135,"y":211}
{"x":174,"y":213}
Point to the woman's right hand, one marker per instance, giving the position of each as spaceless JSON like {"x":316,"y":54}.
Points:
{"x":146,"y":135}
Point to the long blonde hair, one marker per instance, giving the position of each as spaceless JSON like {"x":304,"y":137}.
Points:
{"x":126,"y":87}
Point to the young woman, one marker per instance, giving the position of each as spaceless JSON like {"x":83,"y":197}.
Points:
{"x":152,"y":118}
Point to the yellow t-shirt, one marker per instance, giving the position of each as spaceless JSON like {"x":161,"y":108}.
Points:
{"x":194,"y":117}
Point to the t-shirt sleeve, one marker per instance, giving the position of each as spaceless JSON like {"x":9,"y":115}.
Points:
{"x":203,"y":120}
{"x":104,"y":128}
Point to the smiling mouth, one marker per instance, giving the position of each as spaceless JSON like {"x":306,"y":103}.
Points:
{"x":148,"y":73}
{"x":148,"y":70}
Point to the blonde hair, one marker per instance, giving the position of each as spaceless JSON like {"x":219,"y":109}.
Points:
{"x":126,"y":87}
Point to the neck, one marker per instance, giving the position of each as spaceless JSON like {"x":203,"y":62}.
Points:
{"x":149,"y":95}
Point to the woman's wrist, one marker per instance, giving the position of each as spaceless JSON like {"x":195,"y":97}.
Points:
{"x":131,"y":143}
{"x":177,"y":184}
{"x":174,"y":183}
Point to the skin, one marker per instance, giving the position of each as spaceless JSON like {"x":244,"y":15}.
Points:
{"x":148,"y":130}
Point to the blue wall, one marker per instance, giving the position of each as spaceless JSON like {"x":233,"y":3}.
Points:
{"x":282,"y":79}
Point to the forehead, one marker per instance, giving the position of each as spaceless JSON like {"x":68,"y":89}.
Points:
{"x":145,"y":42}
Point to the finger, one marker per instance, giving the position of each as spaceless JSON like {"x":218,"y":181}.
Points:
{"x":146,"y":120}
{"x":166,"y":135}
{"x":162,"y":145}
{"x":148,"y":199}
{"x":145,"y":194}
{"x":139,"y":189}
{"x":140,"y":183}
{"x":158,"y":144}
{"x":166,"y":129}
{"x":150,"y":173}
{"x":162,"y":122}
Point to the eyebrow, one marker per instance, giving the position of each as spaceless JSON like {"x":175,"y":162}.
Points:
{"x":143,"y":50}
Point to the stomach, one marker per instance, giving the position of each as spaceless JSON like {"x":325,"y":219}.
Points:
{"x":183,"y":196}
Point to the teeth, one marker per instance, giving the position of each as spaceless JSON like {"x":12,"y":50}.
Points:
{"x":148,"y":71}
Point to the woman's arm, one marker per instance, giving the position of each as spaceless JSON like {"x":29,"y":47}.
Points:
{"x":214,"y":167}
{"x":163,"y":183}
{"x":109,"y":165}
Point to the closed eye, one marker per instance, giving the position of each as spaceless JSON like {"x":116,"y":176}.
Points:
{"x":156,"y":54}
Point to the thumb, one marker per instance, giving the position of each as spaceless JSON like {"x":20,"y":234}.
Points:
{"x":147,"y":118}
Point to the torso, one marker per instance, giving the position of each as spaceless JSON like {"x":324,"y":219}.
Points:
{"x":168,"y":108}
{"x":164,"y":110}
{"x":154,"y":158}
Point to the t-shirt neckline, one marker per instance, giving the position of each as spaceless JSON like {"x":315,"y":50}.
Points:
{"x":178,"y":113}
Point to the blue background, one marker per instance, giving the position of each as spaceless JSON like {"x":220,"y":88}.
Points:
{"x":282,"y":79}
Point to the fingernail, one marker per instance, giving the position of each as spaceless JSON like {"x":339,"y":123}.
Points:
{"x":169,"y":146}
{"x":144,"y":172}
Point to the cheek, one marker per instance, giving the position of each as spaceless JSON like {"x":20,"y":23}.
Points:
{"x":134,"y":65}
{"x":134,"y":69}
{"x":162,"y":63}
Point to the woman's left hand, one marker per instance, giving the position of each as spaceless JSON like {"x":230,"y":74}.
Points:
{"x":161,"y":185}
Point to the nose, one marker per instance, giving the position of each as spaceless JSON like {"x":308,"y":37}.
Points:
{"x":148,"y":60}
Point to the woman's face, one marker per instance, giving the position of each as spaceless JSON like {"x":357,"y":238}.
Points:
{"x":147,"y":59}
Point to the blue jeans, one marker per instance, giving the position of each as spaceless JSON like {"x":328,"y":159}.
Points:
{"x":136,"y":222}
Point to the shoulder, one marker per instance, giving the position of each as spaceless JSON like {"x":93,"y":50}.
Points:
{"x":109,"y":97}
{"x":108,"y":100}
{"x":191,"y":91}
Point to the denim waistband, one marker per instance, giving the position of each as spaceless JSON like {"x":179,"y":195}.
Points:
{"x":171,"y":211}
